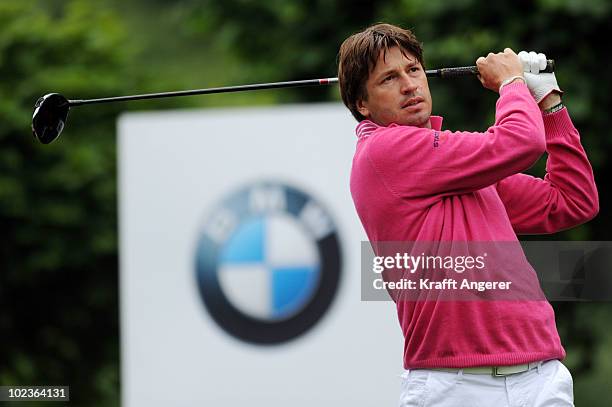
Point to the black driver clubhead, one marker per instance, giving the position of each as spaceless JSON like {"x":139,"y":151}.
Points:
{"x":49,"y":118}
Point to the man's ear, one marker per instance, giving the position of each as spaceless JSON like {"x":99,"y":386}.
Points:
{"x":362,"y":108}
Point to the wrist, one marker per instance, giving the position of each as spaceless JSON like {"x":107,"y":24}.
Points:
{"x":551,"y":100}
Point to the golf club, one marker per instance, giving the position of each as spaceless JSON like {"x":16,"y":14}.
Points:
{"x":51,"y":110}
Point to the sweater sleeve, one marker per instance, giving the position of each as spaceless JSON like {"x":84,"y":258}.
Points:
{"x":417,"y":162}
{"x":566,"y":197}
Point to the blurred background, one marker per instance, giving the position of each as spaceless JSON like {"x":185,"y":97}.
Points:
{"x":59,"y":308}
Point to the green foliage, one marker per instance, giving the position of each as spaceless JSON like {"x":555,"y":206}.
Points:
{"x":58,"y":289}
{"x":280,"y":40}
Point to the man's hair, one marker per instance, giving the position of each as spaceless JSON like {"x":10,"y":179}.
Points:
{"x":358,"y":56}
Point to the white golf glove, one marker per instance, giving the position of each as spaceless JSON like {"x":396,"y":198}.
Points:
{"x":540,"y":84}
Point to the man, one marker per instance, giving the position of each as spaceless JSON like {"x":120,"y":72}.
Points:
{"x":413,"y":182}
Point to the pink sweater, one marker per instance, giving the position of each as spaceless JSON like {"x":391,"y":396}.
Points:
{"x":419,"y":184}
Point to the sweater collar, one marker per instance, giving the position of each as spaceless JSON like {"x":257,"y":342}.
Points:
{"x":366,"y":127}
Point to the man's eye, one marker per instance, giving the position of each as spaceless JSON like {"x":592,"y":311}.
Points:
{"x":414,"y":69}
{"x":388,"y":78}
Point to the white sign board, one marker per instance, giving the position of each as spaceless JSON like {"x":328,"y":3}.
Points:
{"x":241,"y":201}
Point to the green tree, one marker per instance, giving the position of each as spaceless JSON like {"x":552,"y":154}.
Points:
{"x":58,"y":280}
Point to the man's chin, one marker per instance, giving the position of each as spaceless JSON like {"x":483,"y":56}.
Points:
{"x":419,"y":121}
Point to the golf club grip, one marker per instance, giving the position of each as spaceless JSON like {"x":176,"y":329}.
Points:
{"x":473,"y":70}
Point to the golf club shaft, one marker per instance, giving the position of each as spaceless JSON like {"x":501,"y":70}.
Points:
{"x":226,"y":89}
{"x":435,"y":73}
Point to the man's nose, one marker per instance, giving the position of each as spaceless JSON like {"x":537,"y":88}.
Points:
{"x":407,"y":84}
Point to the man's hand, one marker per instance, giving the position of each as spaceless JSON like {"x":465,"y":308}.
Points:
{"x":496,"y":68}
{"x":540,"y":85}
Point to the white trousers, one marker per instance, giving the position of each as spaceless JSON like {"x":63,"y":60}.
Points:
{"x":548,"y":385}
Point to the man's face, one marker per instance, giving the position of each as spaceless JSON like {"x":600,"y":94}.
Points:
{"x":397,"y":91}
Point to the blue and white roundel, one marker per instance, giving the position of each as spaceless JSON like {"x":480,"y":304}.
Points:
{"x":268,"y":263}
{"x":269,"y":268}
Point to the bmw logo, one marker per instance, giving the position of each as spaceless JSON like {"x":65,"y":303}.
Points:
{"x":268,"y":263}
